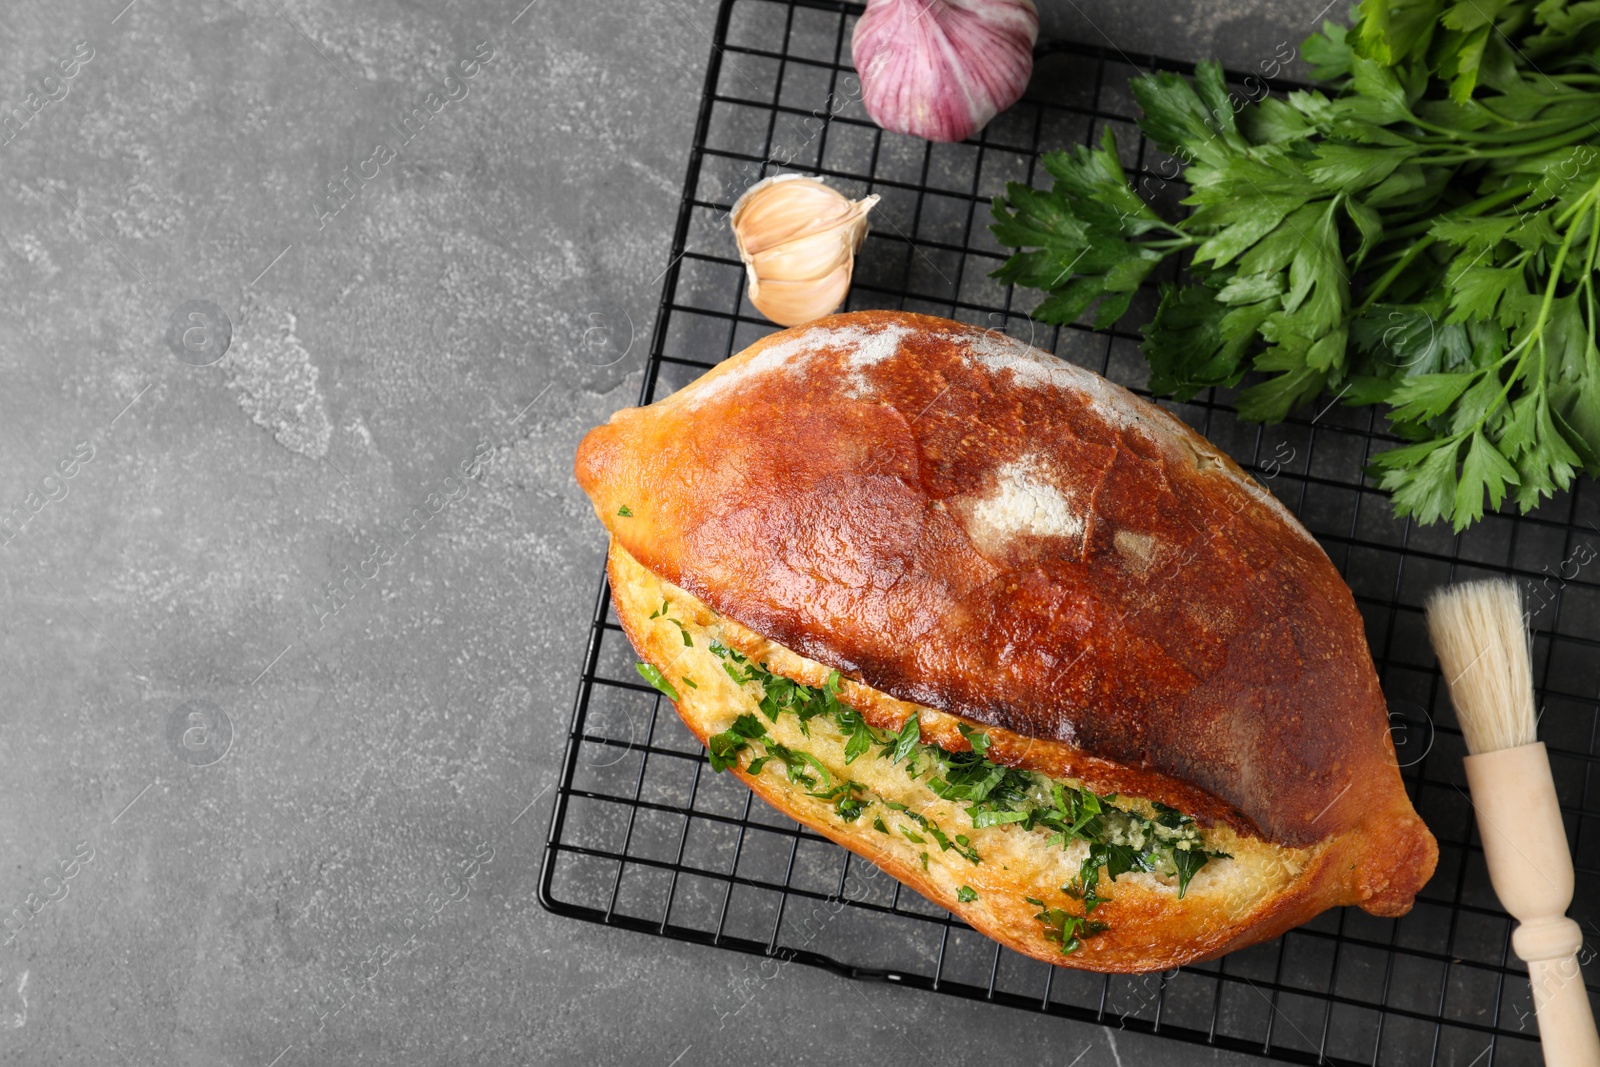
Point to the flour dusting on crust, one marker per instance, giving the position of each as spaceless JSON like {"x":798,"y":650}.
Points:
{"x":869,"y":351}
{"x":1138,"y":550}
{"x":1040,"y":370}
{"x":774,"y":357}
{"x":861,"y":347}
{"x":1024,"y":503}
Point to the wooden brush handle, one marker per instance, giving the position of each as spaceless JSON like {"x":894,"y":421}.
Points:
{"x":1525,"y":847}
{"x":1566,"y":1022}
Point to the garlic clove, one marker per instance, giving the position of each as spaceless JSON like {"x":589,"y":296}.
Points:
{"x":789,"y":303}
{"x":941,"y":69}
{"x":805,"y":259}
{"x":798,"y":239}
{"x":783,"y":208}
{"x":814,"y":253}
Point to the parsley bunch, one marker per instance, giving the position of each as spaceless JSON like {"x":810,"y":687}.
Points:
{"x":1422,"y":235}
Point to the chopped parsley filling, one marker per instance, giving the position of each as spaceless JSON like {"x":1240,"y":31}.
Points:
{"x":1119,"y":839}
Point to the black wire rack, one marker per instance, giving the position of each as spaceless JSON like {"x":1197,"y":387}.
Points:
{"x":646,"y":838}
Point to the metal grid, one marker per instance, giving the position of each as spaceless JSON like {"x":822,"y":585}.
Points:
{"x":644,"y":837}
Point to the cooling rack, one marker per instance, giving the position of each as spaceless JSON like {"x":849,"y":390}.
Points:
{"x":645,"y":837}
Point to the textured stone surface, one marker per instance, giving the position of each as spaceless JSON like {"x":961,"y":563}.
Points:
{"x":449,"y":309}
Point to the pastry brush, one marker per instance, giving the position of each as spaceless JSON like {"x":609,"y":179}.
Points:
{"x":1484,"y":650}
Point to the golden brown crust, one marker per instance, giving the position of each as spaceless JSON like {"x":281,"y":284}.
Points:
{"x":966,"y":524}
{"x":1256,"y":894}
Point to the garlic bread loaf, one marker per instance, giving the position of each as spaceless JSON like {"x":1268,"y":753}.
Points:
{"x":1019,"y":637}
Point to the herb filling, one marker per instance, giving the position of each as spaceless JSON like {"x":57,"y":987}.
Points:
{"x":1119,"y":839}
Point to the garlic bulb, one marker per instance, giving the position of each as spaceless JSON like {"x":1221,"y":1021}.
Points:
{"x":941,"y":69}
{"x":798,"y":239}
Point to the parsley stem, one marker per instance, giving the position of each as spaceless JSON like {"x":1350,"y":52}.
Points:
{"x":1529,"y":148}
{"x":1586,"y":204}
{"x":1516,"y":132}
{"x":1383,"y":283}
{"x":1588,"y":284}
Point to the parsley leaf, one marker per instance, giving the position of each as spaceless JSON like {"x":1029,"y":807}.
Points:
{"x":1066,"y":928}
{"x":1188,"y":862}
{"x":654,"y":676}
{"x":860,"y":737}
{"x":976,"y":738}
{"x":723,"y":749}
{"x":849,"y":808}
{"x":901,"y":745}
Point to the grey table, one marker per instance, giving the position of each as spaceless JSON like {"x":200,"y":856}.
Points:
{"x":280,"y":689}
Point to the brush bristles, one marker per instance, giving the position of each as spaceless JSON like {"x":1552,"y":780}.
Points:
{"x":1483,"y":649}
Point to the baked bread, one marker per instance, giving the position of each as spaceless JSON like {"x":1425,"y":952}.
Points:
{"x":1147,"y":726}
